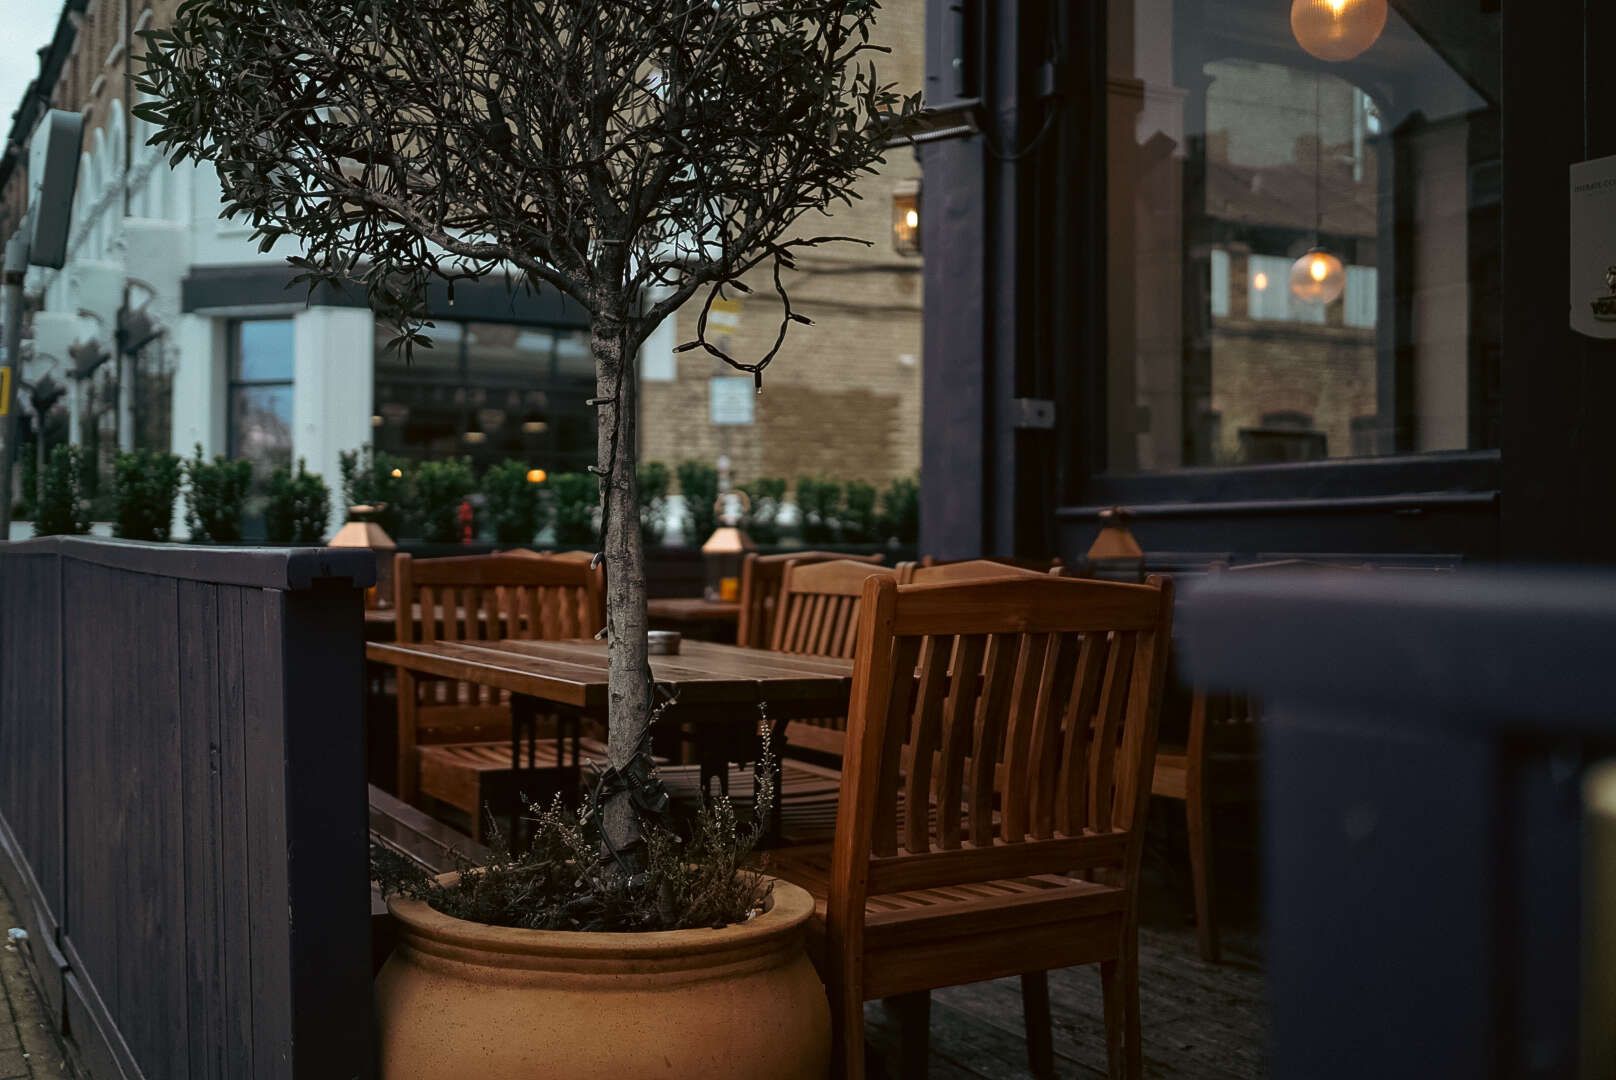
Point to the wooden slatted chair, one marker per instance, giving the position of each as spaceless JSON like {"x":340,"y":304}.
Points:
{"x":1020,"y":717}
{"x":1039,"y":565}
{"x":935,"y":573}
{"x":454,"y":738}
{"x":1217,"y":764}
{"x":761,"y":579}
{"x":816,"y":614}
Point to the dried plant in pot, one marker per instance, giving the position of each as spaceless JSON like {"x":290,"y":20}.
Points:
{"x":547,"y":962}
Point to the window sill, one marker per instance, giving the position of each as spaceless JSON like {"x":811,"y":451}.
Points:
{"x":1405,"y":483}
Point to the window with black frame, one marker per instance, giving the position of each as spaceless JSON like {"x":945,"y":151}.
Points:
{"x":1304,"y":221}
{"x":489,"y":392}
{"x":260,"y":395}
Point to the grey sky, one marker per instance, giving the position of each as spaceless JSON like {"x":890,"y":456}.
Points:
{"x":25,"y":26}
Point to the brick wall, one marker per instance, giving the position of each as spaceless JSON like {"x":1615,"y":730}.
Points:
{"x":843,"y":396}
{"x":1323,"y":372}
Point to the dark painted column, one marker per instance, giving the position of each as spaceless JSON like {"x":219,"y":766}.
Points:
{"x":954,"y":454}
{"x":1559,"y":459}
{"x":982,"y":475}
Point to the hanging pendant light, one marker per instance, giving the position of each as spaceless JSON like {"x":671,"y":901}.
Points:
{"x":1318,"y":276}
{"x":1337,"y":30}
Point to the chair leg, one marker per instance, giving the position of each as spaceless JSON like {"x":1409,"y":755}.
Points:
{"x":1198,"y":817}
{"x":1119,"y":982}
{"x":914,"y":1032}
{"x":1035,"y":1011}
{"x":847,"y":1033}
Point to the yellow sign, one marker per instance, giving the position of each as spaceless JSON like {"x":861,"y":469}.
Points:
{"x":5,"y":390}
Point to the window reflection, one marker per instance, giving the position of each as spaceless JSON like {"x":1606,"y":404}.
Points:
{"x":1232,"y":154}
{"x":260,"y":413}
{"x":488,"y":391}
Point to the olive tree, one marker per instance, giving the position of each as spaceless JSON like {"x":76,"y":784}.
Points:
{"x":634,"y":155}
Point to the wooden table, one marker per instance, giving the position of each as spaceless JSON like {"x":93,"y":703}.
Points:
{"x":683,"y":613}
{"x":718,"y":688}
{"x":695,"y":616}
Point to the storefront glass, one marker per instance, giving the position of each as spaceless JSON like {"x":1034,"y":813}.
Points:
{"x":490,"y":392}
{"x":1303,"y":256}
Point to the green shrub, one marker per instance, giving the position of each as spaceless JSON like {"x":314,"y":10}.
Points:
{"x":145,"y":484}
{"x":766,"y":496}
{"x":860,"y":524}
{"x":299,"y":507}
{"x":514,"y":505}
{"x":215,"y":495}
{"x":698,"y":484}
{"x":900,"y":511}
{"x":573,"y":499}
{"x":368,"y":480}
{"x":437,"y":488}
{"x":654,"y":482}
{"x":64,"y":507}
{"x":820,"y":503}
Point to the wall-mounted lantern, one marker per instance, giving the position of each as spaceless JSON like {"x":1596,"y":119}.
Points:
{"x":906,"y":217}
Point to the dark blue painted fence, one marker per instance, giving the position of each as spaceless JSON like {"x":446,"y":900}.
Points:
{"x":182,"y":802}
{"x":1425,"y":739}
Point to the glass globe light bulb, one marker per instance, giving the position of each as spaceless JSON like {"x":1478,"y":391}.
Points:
{"x":1318,"y":277}
{"x":1337,"y":30}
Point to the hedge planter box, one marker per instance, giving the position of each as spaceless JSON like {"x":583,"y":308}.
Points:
{"x":459,"y":999}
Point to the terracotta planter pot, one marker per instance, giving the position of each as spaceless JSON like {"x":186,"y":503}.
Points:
{"x":461,"y":999}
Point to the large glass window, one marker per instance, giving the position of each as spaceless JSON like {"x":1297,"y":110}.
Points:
{"x":261,"y":393}
{"x":1303,"y":254}
{"x":488,"y":391}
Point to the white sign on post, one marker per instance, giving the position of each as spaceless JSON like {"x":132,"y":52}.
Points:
{"x":730,"y":400}
{"x":1593,"y":247}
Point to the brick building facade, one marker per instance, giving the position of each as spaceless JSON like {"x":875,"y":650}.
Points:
{"x":842,"y":399}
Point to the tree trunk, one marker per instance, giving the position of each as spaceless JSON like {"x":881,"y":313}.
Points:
{"x":628,"y":688}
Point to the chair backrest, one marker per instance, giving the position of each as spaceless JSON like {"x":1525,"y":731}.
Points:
{"x":968,"y":570}
{"x":1022,"y":711}
{"x":482,"y":597}
{"x":1040,"y":565}
{"x":566,"y":556}
{"x":818,"y":611}
{"x":761,"y":579}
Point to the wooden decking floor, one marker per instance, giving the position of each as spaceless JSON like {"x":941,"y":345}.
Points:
{"x":1200,"y":1020}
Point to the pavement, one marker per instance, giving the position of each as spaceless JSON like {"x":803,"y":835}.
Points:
{"x":31,"y":1047}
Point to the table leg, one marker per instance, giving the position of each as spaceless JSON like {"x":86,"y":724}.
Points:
{"x":524,"y":723}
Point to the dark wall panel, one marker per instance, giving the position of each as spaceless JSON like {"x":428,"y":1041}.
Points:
{"x":125,"y":925}
{"x":30,"y":725}
{"x":1559,"y":458}
{"x":182,"y":782}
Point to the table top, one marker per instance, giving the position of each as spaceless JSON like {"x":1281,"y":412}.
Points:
{"x":574,"y":672}
{"x":693,"y":609}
